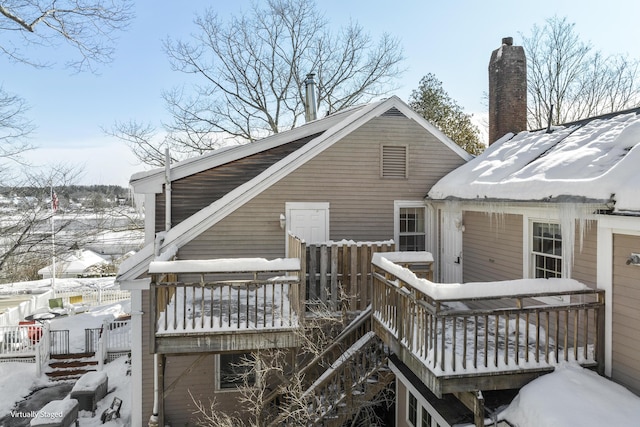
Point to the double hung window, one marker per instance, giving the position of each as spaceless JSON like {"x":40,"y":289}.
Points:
{"x":412,"y":234}
{"x":546,"y":250}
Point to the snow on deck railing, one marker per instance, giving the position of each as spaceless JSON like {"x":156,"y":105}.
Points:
{"x":225,"y":294}
{"x":487,"y":327}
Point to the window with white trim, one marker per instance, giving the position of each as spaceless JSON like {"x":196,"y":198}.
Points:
{"x":235,"y":370}
{"x":546,"y":250}
{"x":411,"y":229}
{"x":412,"y":410}
{"x":426,"y":418}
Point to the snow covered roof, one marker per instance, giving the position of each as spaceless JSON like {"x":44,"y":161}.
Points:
{"x":594,"y":160}
{"x":202,"y":220}
{"x":76,"y":263}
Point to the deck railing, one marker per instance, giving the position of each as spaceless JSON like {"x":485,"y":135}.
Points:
{"x":338,"y":273}
{"x":488,"y":327}
{"x":225,"y":295}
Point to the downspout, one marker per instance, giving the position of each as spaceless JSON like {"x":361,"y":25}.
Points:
{"x":154,"y":419}
{"x":167,"y":190}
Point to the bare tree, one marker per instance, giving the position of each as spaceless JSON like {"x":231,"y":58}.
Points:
{"x":248,"y":73}
{"x":278,"y":386}
{"x":25,"y":230}
{"x":88,"y":26}
{"x":14,"y":129}
{"x":566,"y":73}
{"x":27,"y":224}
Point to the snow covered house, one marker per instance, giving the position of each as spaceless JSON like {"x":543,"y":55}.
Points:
{"x":563,"y":202}
{"x":79,"y":263}
{"x":313,"y":202}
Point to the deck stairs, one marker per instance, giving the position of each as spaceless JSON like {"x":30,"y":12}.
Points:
{"x":70,"y":367}
{"x":356,"y":372}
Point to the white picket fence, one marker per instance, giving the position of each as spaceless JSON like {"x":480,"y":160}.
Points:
{"x":25,"y":343}
{"x":89,"y":298}
{"x":94,"y":297}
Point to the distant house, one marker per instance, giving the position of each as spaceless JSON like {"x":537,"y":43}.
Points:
{"x":355,"y":175}
{"x":79,"y":263}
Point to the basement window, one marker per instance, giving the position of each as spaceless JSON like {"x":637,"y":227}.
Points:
{"x":394,"y":161}
{"x":235,"y":370}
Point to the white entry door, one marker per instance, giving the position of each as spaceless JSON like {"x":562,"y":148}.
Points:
{"x":451,"y":245}
{"x":309,"y":221}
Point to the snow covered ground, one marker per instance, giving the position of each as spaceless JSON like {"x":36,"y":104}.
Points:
{"x":18,"y":380}
{"x":573,"y":396}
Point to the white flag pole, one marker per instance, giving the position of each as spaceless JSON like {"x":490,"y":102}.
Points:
{"x":53,"y":237}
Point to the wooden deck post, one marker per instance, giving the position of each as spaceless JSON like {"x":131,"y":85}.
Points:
{"x":161,"y":363}
{"x":474,"y":401}
{"x":600,"y":329}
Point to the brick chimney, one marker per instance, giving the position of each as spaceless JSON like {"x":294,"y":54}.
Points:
{"x":507,"y":90}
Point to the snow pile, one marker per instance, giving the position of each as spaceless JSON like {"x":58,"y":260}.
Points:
{"x":594,"y":161}
{"x":573,"y":396}
{"x":17,"y":381}
{"x":90,"y":381}
{"x":54,"y":412}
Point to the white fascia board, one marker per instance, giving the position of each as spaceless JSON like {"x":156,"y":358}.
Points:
{"x":152,"y":181}
{"x":136,"y":265}
{"x":135,"y":284}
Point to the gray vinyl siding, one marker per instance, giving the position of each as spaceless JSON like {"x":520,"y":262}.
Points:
{"x":193,"y":374}
{"x":626,"y":315}
{"x":491,"y":247}
{"x":585,"y":258}
{"x":347,"y":175}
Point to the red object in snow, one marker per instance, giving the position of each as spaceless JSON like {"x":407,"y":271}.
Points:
{"x":33,"y":332}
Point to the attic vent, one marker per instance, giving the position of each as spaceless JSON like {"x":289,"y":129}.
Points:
{"x":394,"y":161}
{"x":393,"y":112}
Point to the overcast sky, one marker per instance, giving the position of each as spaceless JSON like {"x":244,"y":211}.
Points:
{"x":451,"y":39}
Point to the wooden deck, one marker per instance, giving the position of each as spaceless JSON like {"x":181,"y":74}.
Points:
{"x":484,"y":342}
{"x":223,"y":305}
